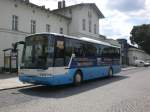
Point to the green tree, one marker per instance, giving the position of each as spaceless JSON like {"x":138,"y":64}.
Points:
{"x":140,"y":35}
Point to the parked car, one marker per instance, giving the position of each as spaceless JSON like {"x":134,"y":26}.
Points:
{"x":141,"y":63}
{"x":146,"y":64}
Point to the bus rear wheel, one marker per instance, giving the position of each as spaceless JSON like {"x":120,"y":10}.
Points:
{"x":110,"y":73}
{"x":78,"y":78}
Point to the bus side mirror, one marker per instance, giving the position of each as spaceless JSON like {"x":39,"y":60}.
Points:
{"x":21,"y":42}
{"x":16,"y":45}
{"x":73,"y":55}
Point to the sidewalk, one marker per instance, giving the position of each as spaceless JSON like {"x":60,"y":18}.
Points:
{"x":129,"y":68}
{"x":10,"y":81}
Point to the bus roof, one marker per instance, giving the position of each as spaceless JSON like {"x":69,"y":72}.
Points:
{"x":81,"y":38}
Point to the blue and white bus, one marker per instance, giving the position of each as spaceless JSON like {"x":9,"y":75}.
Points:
{"x":56,"y":59}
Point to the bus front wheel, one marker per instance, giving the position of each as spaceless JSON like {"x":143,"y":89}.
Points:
{"x":78,"y":78}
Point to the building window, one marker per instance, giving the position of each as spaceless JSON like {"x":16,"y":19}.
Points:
{"x":90,"y":27}
{"x":89,"y":14}
{"x":15,"y":22}
{"x":84,"y":24}
{"x":33,"y":26}
{"x":95,"y":29}
{"x":48,"y":28}
{"x":61,"y":30}
{"x":70,"y":11}
{"x":33,"y":11}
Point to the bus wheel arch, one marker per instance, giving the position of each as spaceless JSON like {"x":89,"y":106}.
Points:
{"x":78,"y":78}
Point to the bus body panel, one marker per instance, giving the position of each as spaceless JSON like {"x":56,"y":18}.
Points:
{"x":48,"y":59}
{"x":94,"y":72}
{"x":60,"y":79}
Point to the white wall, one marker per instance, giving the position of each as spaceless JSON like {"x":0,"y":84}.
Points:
{"x":78,"y":14}
{"x":6,"y":40}
{"x":25,"y":14}
{"x":94,"y":19}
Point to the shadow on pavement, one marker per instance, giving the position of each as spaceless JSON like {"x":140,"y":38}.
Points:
{"x":68,"y":90}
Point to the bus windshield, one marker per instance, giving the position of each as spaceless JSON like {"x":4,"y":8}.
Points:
{"x":36,"y":54}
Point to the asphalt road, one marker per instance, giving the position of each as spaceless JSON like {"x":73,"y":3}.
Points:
{"x":129,"y":91}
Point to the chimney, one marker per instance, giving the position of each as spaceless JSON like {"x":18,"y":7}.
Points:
{"x":64,"y":3}
{"x":59,"y":4}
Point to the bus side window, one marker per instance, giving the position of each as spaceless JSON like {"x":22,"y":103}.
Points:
{"x":91,"y":50}
{"x":117,"y":53}
{"x":59,"y":52}
{"x":78,"y":48}
{"x":99,"y":50}
{"x":68,"y":51}
{"x":106,"y":52}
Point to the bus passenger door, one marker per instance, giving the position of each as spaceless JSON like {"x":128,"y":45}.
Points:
{"x":59,"y":57}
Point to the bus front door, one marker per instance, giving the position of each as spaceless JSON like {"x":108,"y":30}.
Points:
{"x":59,"y":57}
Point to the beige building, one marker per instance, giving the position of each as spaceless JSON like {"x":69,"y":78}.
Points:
{"x":137,"y":54}
{"x":20,"y":18}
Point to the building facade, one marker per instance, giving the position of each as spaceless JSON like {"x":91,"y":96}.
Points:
{"x":84,"y":19}
{"x":137,"y":54}
{"x":20,"y":18}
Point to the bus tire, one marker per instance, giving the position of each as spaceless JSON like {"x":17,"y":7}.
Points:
{"x":78,"y":78}
{"x":110,"y":72}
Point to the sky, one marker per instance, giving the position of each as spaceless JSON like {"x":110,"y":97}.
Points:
{"x":120,"y":15}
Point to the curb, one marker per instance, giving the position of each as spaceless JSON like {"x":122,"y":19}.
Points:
{"x":16,"y":87}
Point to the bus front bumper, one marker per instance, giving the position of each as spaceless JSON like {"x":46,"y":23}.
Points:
{"x":50,"y":81}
